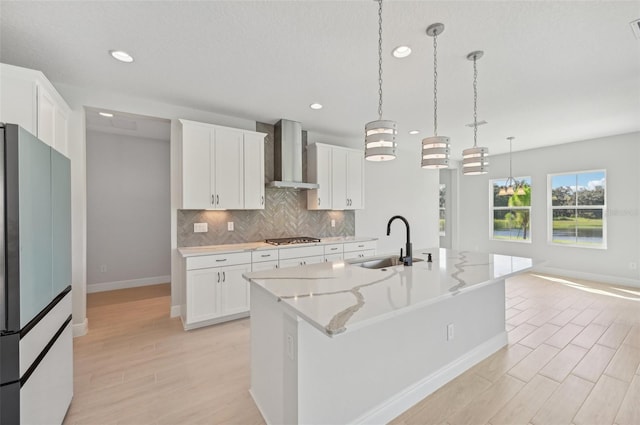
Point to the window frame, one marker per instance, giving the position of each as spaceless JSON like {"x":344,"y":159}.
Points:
{"x":551,"y":208}
{"x":493,"y":208}
{"x":442,"y":231}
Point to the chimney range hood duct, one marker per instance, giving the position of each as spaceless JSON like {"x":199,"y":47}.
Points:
{"x":287,"y":164}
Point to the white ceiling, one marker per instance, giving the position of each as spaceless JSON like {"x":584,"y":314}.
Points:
{"x":553,"y":71}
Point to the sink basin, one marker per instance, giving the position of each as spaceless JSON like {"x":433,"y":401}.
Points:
{"x":380,"y":263}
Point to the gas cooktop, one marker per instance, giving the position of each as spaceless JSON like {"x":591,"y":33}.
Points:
{"x":293,"y":240}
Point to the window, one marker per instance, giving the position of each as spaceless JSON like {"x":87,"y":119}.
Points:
{"x":578,"y":205}
{"x":443,"y":205}
{"x":511,"y":219}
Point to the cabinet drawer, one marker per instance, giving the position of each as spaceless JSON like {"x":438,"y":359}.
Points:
{"x":218,"y":260}
{"x":332,"y":257}
{"x":298,"y":252}
{"x":359,"y":246}
{"x":359,"y":254}
{"x":336,"y":248}
{"x":264,"y":255}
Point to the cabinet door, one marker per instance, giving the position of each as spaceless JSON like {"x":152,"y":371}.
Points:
{"x":359,"y":254}
{"x":355,"y":173}
{"x":333,"y":257}
{"x":234,"y":289}
{"x":196,"y":166}
{"x":203,"y":301}
{"x":61,"y":132}
{"x":319,"y":171}
{"x":228,"y":170}
{"x":253,"y":171}
{"x":46,"y":117}
{"x":339,"y":179}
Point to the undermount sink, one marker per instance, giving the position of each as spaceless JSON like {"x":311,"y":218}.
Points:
{"x":380,"y":263}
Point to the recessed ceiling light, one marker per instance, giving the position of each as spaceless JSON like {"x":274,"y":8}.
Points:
{"x":315,"y":106}
{"x":414,"y":132}
{"x":106,"y":114}
{"x":121,"y":56}
{"x":401,"y":51}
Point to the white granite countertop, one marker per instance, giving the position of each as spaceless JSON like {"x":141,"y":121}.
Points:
{"x":338,"y":297}
{"x":193,"y":251}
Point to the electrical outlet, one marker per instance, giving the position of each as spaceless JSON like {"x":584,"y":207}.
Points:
{"x":103,"y":268}
{"x":230,"y":226}
{"x":450,"y":332}
{"x":333,"y":223}
{"x":633,"y":265}
{"x":200,"y":227}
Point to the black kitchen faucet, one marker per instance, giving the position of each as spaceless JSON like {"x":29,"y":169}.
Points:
{"x":407,"y":260}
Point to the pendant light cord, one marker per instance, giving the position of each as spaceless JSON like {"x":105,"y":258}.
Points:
{"x":475,"y":102}
{"x":435,"y":84}
{"x":380,"y":58}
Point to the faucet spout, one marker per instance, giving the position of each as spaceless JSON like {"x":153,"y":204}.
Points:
{"x":407,"y":260}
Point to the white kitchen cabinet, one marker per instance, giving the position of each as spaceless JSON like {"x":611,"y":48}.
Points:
{"x":219,"y":167}
{"x":347,"y":177}
{"x":340,"y":173}
{"x":303,"y":261}
{"x":28,"y":99}
{"x":253,"y":171}
{"x":359,"y":249}
{"x":264,"y":260}
{"x":215,"y":289}
{"x":264,"y":265}
{"x":319,"y":171}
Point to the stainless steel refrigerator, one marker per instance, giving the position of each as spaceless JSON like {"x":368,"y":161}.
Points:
{"x":36,"y":355}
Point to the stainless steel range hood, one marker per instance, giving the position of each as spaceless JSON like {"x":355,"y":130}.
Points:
{"x":287,"y":164}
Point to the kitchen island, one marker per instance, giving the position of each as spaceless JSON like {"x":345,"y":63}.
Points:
{"x":337,"y":343}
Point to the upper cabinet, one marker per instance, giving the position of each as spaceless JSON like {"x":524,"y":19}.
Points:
{"x":340,"y":173}
{"x":28,"y":99}
{"x":222,"y":167}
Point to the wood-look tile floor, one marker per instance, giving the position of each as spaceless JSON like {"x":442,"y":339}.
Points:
{"x":573,"y":358}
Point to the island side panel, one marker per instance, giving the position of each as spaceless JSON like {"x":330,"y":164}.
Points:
{"x":373,"y":374}
{"x":268,"y":354}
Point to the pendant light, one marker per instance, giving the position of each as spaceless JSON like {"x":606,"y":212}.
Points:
{"x":380,"y":135}
{"x":435,"y":149}
{"x":511,"y":186}
{"x":474,"y":160}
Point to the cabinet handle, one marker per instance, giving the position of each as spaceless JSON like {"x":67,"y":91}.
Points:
{"x":277,"y":266}
{"x":221,"y":260}
{"x":218,"y":277}
{"x":265,"y":255}
{"x":224,"y":276}
{"x":213,"y":199}
{"x":333,"y":249}
{"x":318,"y":201}
{"x":217,"y":199}
{"x":360,"y":246}
{"x":262,"y":200}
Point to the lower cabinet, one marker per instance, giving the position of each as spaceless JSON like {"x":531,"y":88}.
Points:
{"x":303,"y":261}
{"x":215,"y":294}
{"x":359,"y":249}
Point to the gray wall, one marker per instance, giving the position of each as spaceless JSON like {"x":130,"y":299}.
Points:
{"x":619,"y":155}
{"x":128,"y":208}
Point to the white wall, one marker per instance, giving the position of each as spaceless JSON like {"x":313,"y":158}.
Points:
{"x":619,"y":155}
{"x":398,"y":187}
{"x":128,"y":211}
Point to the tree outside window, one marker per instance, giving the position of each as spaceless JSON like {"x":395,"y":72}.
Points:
{"x":511,"y":219}
{"x":578,"y":202}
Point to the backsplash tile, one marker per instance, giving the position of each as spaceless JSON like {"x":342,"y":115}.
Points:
{"x":285,"y":215}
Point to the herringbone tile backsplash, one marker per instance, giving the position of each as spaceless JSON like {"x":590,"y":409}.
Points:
{"x":285,"y":215}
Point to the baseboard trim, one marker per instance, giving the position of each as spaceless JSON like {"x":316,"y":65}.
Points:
{"x":124,"y":284}
{"x":613,"y":280}
{"x":175,"y":311}
{"x":404,"y":400}
{"x":80,"y":329}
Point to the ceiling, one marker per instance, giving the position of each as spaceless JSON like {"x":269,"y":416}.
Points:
{"x":126,"y":124}
{"x":553,"y":71}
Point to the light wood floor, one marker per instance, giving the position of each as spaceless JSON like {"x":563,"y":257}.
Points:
{"x":573,"y":358}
